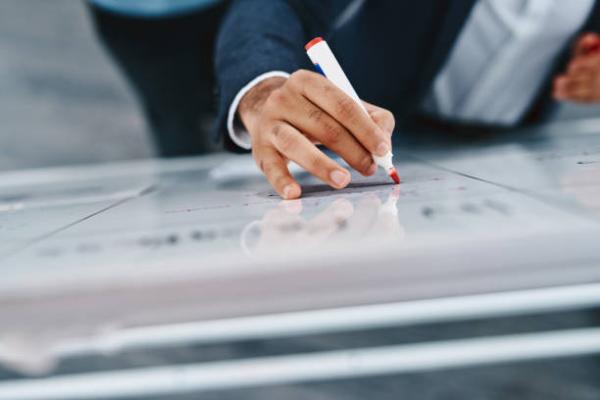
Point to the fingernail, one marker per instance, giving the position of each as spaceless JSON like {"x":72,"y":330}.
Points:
{"x":290,"y":192}
{"x":340,"y":178}
{"x":382,"y":149}
{"x":372,"y":169}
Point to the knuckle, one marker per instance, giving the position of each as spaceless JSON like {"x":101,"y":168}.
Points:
{"x":272,"y":106}
{"x":283,"y":137}
{"x":365,"y":163}
{"x":331,"y":134}
{"x":315,"y":114}
{"x":277,"y":98}
{"x":280,"y":182}
{"x":346,"y":108}
{"x":277,"y":130}
{"x":299,"y":78}
{"x":269,"y":168}
{"x":315,"y":163}
{"x":301,"y":75}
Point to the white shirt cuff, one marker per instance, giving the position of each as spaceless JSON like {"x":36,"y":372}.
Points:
{"x":237,"y":132}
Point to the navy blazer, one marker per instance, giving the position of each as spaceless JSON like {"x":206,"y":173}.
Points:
{"x":391,"y":50}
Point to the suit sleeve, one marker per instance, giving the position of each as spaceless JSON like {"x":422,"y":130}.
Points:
{"x":257,"y":36}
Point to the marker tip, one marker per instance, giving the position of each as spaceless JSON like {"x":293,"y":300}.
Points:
{"x":394,"y":175}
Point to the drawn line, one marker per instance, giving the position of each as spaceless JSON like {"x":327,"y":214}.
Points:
{"x":144,"y":192}
{"x":587,"y":162}
{"x":557,"y":204}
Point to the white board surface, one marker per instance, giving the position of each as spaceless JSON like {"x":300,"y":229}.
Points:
{"x":90,"y":249}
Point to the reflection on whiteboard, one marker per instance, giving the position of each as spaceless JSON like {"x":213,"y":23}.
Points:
{"x":209,"y":220}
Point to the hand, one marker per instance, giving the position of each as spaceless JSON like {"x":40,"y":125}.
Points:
{"x":581,"y":82}
{"x":286,"y":118}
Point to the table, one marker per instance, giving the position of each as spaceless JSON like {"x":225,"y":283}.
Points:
{"x":162,"y":254}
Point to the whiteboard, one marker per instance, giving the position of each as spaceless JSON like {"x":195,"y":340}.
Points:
{"x":86,"y":250}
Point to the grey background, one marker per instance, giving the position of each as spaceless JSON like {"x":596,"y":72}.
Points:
{"x":62,"y":101}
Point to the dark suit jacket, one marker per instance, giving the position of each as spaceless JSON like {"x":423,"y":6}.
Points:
{"x":391,"y":50}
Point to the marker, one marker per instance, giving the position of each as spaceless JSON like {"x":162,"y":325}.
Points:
{"x":325,"y":63}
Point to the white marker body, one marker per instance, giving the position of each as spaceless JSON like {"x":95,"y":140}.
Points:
{"x":322,"y":56}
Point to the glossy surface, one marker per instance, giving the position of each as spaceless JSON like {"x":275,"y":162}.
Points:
{"x":103,"y":248}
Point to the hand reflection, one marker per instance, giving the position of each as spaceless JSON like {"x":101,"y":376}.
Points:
{"x":583,"y":185}
{"x":290,"y":226}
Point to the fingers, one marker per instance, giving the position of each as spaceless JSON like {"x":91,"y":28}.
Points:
{"x":342,"y":108}
{"x":286,"y":118}
{"x":573,"y":89}
{"x":382,"y":117}
{"x":320,"y":127}
{"x":331,"y":219}
{"x":582,"y":64}
{"x":581,"y":82}
{"x":292,"y":144}
{"x":275,"y":168}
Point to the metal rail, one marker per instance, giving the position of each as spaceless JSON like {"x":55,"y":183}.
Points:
{"x":306,"y":368}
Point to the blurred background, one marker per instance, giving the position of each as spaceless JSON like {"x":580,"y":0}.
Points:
{"x":63,"y":101}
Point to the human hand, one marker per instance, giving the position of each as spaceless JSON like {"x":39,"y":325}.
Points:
{"x":581,"y":81}
{"x":287,"y":118}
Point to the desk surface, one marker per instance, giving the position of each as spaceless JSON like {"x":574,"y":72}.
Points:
{"x":90,"y":250}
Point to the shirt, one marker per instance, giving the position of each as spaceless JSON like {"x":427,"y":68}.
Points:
{"x":500,"y":60}
{"x":502,"y":57}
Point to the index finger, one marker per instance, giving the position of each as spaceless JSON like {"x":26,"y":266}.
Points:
{"x":382,"y":117}
{"x":325,"y":95}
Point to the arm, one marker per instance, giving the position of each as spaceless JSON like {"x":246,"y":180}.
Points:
{"x":257,"y":37}
{"x":285,"y":117}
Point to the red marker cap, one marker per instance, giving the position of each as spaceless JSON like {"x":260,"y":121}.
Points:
{"x":313,"y":42}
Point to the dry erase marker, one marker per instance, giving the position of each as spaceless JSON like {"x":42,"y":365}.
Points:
{"x":325,"y":63}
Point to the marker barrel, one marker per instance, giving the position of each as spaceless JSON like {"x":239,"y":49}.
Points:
{"x":325,"y":62}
